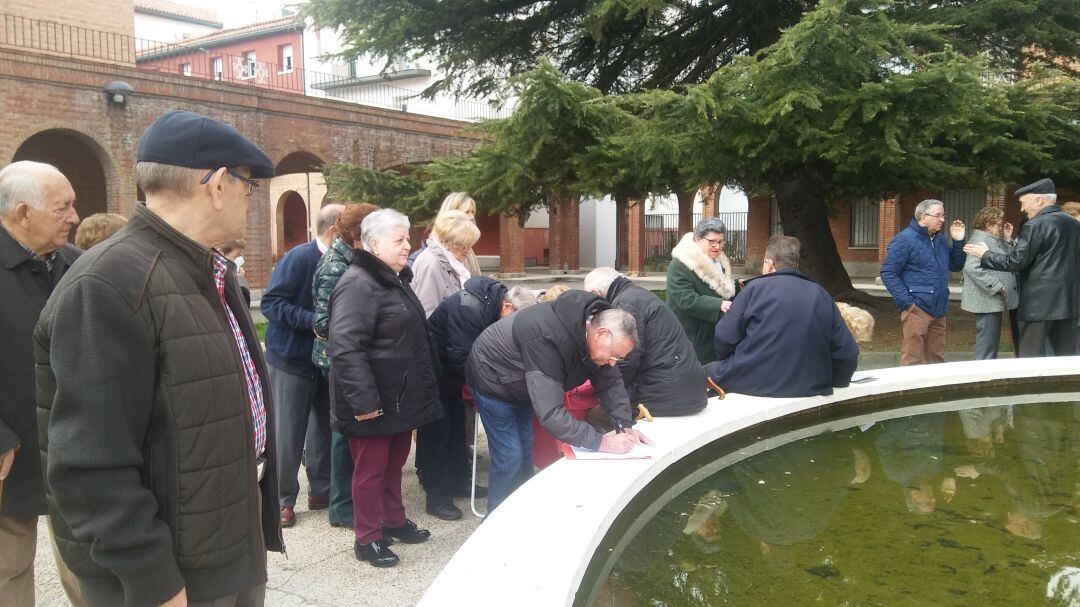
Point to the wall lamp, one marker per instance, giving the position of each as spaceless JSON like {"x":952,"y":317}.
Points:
{"x":117,"y":92}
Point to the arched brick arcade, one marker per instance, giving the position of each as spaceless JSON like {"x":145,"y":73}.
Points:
{"x":85,"y":163}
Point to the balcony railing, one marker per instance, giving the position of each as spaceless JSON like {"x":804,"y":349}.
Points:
{"x":191,"y":61}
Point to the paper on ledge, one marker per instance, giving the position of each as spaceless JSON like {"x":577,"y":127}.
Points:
{"x":640,"y":451}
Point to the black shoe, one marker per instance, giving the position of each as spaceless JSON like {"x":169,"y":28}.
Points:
{"x":408,"y":533}
{"x":480,"y":492}
{"x":447,"y":512}
{"x":377,"y":553}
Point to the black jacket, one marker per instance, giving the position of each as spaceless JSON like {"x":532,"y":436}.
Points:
{"x":1046,"y":260}
{"x":461,"y":318}
{"x":25,"y":284}
{"x":534,"y":356}
{"x":381,"y":352}
{"x":783,"y":336}
{"x":663,"y":371}
{"x":143,"y":411}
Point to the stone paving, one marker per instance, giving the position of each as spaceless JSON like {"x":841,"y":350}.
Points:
{"x":320,"y":570}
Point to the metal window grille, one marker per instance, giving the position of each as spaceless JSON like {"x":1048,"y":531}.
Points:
{"x":864,"y":224}
{"x":962,"y":205}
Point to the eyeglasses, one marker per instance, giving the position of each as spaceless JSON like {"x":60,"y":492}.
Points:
{"x":714,"y":243}
{"x":251,"y":184}
{"x":611,"y":349}
{"x":941,"y":216}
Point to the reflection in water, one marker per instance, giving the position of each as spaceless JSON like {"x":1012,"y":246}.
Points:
{"x":977,"y":507}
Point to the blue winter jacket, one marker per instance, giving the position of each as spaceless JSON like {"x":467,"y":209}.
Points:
{"x":916,"y":269}
{"x":783,"y":337}
{"x":288,"y":306}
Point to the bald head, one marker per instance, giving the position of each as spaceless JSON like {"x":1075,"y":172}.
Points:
{"x":25,"y":181}
{"x":326,"y":219}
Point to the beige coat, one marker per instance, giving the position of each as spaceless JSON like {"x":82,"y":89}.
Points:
{"x":434,"y":279}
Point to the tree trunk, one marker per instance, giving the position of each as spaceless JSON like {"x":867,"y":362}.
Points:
{"x":622,"y":242}
{"x":803,"y":214}
{"x":686,"y":210}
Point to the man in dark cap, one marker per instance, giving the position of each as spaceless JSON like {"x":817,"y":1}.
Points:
{"x":1046,"y":260}
{"x":153,"y":398}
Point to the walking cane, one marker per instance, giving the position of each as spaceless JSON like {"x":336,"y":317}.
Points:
{"x":1008,"y":322}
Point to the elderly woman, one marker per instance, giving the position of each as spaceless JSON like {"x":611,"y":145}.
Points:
{"x":327,"y":273}
{"x":441,"y":270}
{"x":382,"y":381}
{"x":460,"y":201}
{"x":700,"y":285}
{"x":987,"y":292}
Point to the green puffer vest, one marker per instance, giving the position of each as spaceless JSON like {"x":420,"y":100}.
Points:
{"x":332,"y":265}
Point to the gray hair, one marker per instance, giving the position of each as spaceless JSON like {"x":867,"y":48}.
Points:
{"x":154,"y":177}
{"x":327,"y":217}
{"x":519,"y":297}
{"x":21,"y":182}
{"x":620,"y":323}
{"x":1050,"y":198}
{"x":377,"y":224}
{"x":784,"y":252}
{"x":600,"y":279}
{"x":712,"y":224}
{"x":923,"y":208}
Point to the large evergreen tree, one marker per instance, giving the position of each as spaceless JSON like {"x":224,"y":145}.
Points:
{"x":858,"y":99}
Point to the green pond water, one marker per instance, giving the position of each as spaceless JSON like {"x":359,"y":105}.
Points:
{"x":974,"y":507}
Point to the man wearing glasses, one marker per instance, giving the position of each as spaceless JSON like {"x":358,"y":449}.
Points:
{"x":916,"y":273}
{"x":523,"y":364}
{"x":153,"y":396}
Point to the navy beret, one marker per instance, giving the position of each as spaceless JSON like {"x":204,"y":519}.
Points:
{"x":192,"y":140}
{"x":1042,"y":186}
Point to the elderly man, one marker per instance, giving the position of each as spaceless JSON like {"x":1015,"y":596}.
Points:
{"x":916,"y":273}
{"x":662,"y":372}
{"x":153,"y":396}
{"x":1046,"y":259}
{"x":525,"y":363}
{"x":455,"y":325}
{"x":301,"y":394}
{"x":783,"y":336}
{"x":37,"y":214}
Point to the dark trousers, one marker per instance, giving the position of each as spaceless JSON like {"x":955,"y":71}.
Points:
{"x":442,"y":443}
{"x":376,"y":483}
{"x":301,"y":402}
{"x":987,"y":335}
{"x":341,"y":471}
{"x":1034,"y":335}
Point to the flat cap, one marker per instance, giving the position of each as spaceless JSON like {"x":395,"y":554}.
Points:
{"x":1042,"y":186}
{"x":195,"y":141}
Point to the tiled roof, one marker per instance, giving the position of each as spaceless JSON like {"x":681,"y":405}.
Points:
{"x":165,"y":8}
{"x":247,"y":31}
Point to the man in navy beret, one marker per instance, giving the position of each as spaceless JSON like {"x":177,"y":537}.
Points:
{"x":153,"y":396}
{"x":1046,"y":260}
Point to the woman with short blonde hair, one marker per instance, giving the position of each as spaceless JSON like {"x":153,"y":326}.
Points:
{"x":98,"y":227}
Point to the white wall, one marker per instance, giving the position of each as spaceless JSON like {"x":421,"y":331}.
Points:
{"x":164,"y":29}
{"x":596,"y":233}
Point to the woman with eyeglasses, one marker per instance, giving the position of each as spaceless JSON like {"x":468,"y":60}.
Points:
{"x":700,"y":285}
{"x":439,"y":272}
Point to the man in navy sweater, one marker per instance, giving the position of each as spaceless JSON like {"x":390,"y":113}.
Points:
{"x":783,"y":335}
{"x":301,"y":395}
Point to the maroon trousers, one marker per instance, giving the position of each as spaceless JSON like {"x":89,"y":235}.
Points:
{"x":376,"y":483}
